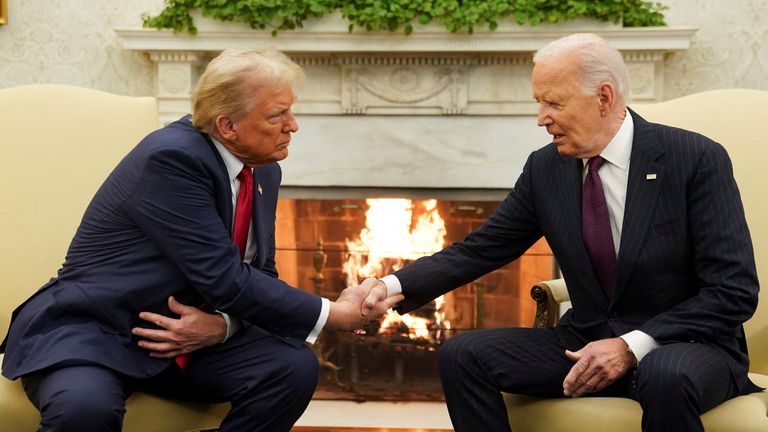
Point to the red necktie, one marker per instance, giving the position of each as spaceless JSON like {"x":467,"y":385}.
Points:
{"x":596,"y":228}
{"x":243,"y":209}
{"x":243,"y":212}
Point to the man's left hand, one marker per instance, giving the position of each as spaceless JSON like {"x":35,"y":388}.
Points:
{"x":194,"y":329}
{"x":598,"y":365}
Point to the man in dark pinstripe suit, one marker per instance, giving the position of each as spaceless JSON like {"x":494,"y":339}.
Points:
{"x":669,"y":332}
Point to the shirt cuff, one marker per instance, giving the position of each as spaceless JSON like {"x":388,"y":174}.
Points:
{"x":393,"y":285}
{"x":325,"y":309}
{"x":233,"y":325}
{"x":640,"y":343}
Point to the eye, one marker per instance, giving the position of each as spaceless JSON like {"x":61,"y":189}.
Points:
{"x":550,"y":104}
{"x":276,"y":117}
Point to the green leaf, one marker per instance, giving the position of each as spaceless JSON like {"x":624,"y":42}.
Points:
{"x":375,"y":15}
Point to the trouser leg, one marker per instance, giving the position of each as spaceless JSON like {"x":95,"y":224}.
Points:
{"x":476,"y":366}
{"x":78,"y":398}
{"x":678,"y":382}
{"x":268,"y":381}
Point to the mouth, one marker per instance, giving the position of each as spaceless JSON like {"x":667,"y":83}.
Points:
{"x":557,"y":138}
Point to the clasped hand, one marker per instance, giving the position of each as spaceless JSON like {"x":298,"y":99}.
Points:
{"x":598,"y":365}
{"x":192,"y":330}
{"x":357,"y":304}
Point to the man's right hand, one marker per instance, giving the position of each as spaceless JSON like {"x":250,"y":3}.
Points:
{"x":192,"y":330}
{"x":346,"y":312}
{"x":376,"y":295}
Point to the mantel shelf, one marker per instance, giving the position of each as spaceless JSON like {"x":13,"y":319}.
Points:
{"x":325,"y":40}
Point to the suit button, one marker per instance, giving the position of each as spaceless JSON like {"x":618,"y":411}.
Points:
{"x":613,"y":317}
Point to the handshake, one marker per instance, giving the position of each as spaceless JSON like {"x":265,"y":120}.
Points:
{"x":357,"y":304}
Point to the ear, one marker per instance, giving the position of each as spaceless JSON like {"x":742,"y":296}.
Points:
{"x":607,"y":97}
{"x":226,"y":128}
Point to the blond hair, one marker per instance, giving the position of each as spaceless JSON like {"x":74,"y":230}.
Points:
{"x":231,"y":82}
{"x":599,"y":62}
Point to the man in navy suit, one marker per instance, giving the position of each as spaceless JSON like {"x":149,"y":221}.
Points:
{"x":666,"y":327}
{"x":158,"y":236}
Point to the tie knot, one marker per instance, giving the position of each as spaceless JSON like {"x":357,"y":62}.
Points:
{"x":245,"y":174}
{"x":595,"y":163}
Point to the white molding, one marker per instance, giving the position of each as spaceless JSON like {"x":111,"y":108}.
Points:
{"x":486,"y":73}
{"x":450,"y":110}
{"x":340,"y":41}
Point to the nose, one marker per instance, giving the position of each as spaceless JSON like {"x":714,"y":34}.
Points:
{"x":543,"y":118}
{"x":291,"y":124}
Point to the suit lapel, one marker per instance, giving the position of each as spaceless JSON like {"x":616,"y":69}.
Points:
{"x":257,"y":220}
{"x":223,"y":186}
{"x":643,"y":189}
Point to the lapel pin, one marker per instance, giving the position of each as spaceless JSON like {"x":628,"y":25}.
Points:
{"x":261,"y":192}
{"x":651,"y":176}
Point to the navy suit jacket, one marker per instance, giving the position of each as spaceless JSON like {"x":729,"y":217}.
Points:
{"x":159,"y":226}
{"x":686,"y":265}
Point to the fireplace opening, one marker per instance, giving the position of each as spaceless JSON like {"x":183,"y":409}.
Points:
{"x":324,"y":245}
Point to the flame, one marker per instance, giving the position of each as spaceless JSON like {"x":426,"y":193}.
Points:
{"x":390,"y":238}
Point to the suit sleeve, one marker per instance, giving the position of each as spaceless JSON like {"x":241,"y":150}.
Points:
{"x":504,"y":237}
{"x":726,"y":285}
{"x":174,"y":205}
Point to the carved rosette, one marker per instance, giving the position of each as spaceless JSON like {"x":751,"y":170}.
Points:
{"x":177,"y":74}
{"x":645,"y":74}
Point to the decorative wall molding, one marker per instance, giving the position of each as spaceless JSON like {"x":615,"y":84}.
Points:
{"x":430,"y":72}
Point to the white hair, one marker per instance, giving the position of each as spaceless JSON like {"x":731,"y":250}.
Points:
{"x":599,"y":62}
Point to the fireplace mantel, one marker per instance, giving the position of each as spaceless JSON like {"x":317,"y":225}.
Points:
{"x":386,"y":110}
{"x":430,"y":72}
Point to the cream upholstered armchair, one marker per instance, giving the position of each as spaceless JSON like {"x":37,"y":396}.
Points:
{"x":59,"y":143}
{"x":735,"y":119}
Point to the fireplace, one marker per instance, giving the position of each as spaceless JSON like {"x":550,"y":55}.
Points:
{"x":324,"y":245}
{"x":432,"y":115}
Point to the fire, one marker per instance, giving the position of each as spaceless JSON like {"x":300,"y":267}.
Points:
{"x":389,"y":239}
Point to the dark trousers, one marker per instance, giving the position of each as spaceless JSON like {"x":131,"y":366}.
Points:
{"x":268,"y":382}
{"x":674,"y":384}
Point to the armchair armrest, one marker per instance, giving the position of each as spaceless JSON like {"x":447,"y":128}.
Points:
{"x":548,"y":295}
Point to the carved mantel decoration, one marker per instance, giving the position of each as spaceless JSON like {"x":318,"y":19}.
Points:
{"x":430,"y":72}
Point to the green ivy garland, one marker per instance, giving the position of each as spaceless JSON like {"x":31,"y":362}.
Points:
{"x":373,"y":15}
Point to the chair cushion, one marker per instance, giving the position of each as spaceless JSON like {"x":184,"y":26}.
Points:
{"x":144,"y":412}
{"x":596,"y":414}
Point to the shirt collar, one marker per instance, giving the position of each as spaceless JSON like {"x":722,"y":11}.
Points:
{"x":619,"y":149}
{"x":233,"y":164}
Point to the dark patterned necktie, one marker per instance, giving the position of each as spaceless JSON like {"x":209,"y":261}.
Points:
{"x":596,"y":228}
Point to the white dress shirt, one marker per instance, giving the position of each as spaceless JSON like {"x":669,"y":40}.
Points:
{"x":614,"y":174}
{"x":234,"y":166}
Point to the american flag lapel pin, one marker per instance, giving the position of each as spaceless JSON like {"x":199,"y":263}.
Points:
{"x":258,"y":187}
{"x":651,"y":176}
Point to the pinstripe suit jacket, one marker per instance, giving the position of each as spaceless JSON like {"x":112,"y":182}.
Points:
{"x":686,"y":265}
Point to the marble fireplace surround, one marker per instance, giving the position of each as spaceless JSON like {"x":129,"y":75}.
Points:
{"x":380,"y":110}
